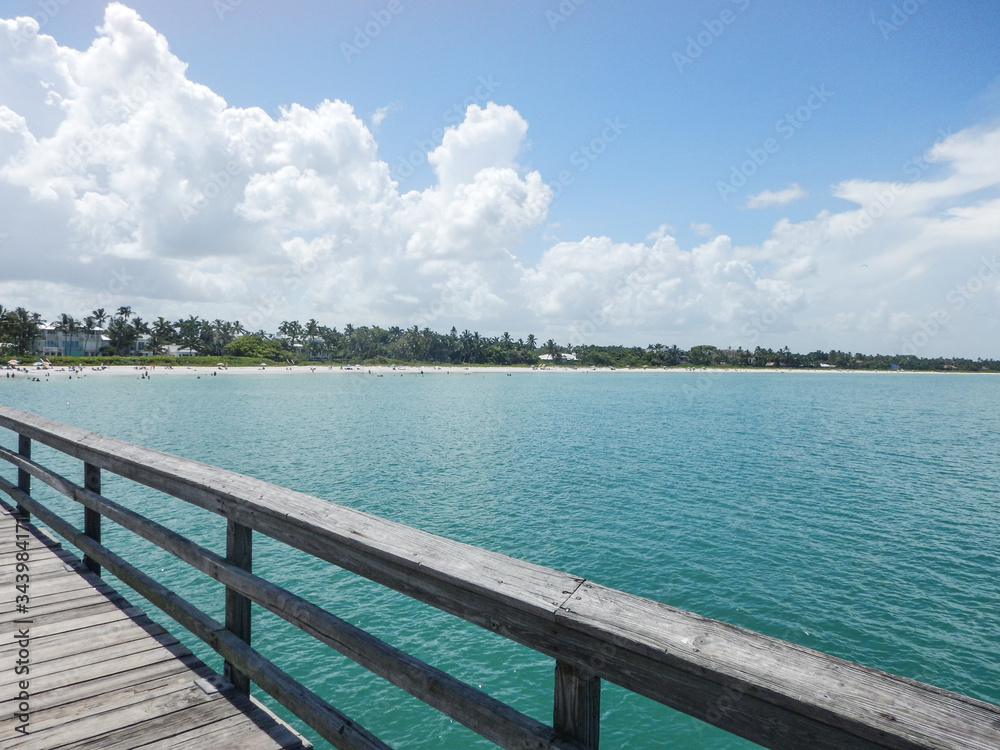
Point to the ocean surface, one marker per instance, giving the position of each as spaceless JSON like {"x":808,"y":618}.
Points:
{"x":857,"y":514}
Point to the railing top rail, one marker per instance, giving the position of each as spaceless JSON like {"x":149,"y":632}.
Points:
{"x":775,"y":693}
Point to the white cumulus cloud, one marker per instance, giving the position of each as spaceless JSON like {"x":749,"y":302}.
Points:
{"x":768,"y":198}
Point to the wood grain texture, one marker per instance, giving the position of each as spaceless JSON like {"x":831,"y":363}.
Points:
{"x":577,"y":705}
{"x":331,"y":724}
{"x":23,"y":477}
{"x":103,"y":675}
{"x":492,"y":719}
{"x":239,"y":552}
{"x":91,"y":518}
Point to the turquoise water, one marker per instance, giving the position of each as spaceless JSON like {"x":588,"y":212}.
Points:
{"x":852,"y":513}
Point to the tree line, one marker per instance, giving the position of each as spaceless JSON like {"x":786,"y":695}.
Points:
{"x":296,"y":341}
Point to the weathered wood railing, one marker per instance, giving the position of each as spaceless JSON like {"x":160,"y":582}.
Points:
{"x":774,"y":693}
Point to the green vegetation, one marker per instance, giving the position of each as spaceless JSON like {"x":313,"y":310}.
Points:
{"x":131,"y":340}
{"x":256,"y":347}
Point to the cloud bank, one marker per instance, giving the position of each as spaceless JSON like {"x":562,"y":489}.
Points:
{"x":125,"y":183}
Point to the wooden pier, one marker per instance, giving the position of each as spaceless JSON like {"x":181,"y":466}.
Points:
{"x":777,"y":694}
{"x":98,"y":673}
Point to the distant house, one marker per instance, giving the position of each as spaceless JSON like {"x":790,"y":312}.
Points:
{"x":286,"y":341}
{"x":176,"y":350}
{"x":59,"y":343}
{"x":566,"y":357}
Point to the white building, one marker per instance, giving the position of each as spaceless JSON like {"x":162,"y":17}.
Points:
{"x":58,"y":343}
{"x":176,"y":350}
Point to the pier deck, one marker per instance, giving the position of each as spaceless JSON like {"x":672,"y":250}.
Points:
{"x":101,"y":674}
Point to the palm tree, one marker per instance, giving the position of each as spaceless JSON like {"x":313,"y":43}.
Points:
{"x":466,"y":345}
{"x":67,"y":325}
{"x":161,"y":333}
{"x":189,"y":333}
{"x":24,"y":328}
{"x":331,"y":340}
{"x":312,"y":336}
{"x":293,"y":330}
{"x":553,"y":349}
{"x":124,"y":334}
{"x":88,"y":327}
{"x":4,"y":326}
{"x":531,"y":341}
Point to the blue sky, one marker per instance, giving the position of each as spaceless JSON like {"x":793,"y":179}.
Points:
{"x":635,"y":116}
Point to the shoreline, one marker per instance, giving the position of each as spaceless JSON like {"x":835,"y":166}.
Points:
{"x":181,"y":370}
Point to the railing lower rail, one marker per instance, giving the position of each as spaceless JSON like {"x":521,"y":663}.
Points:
{"x":774,"y":693}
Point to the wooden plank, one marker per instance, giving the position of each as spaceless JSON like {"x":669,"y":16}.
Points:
{"x":66,"y":602}
{"x":197,"y":720}
{"x":89,"y":674}
{"x":40,"y":630}
{"x":62,"y":615}
{"x":23,"y":477}
{"x":57,"y":693}
{"x":226,"y":733}
{"x":91,"y":518}
{"x":84,"y":666}
{"x":239,"y":552}
{"x":577,"y":705}
{"x":98,"y":636}
{"x":775,"y":693}
{"x":161,"y":715}
{"x":224,"y":719}
{"x":41,"y":569}
{"x":331,"y":724}
{"x":54,"y":588}
{"x":101,"y":708}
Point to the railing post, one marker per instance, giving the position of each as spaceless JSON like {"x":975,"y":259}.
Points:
{"x":23,"y":477}
{"x":91,"y":518}
{"x":577,"y":708}
{"x":239,"y":551}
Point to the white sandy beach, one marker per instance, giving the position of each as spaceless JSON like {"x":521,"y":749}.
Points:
{"x":182,"y":371}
